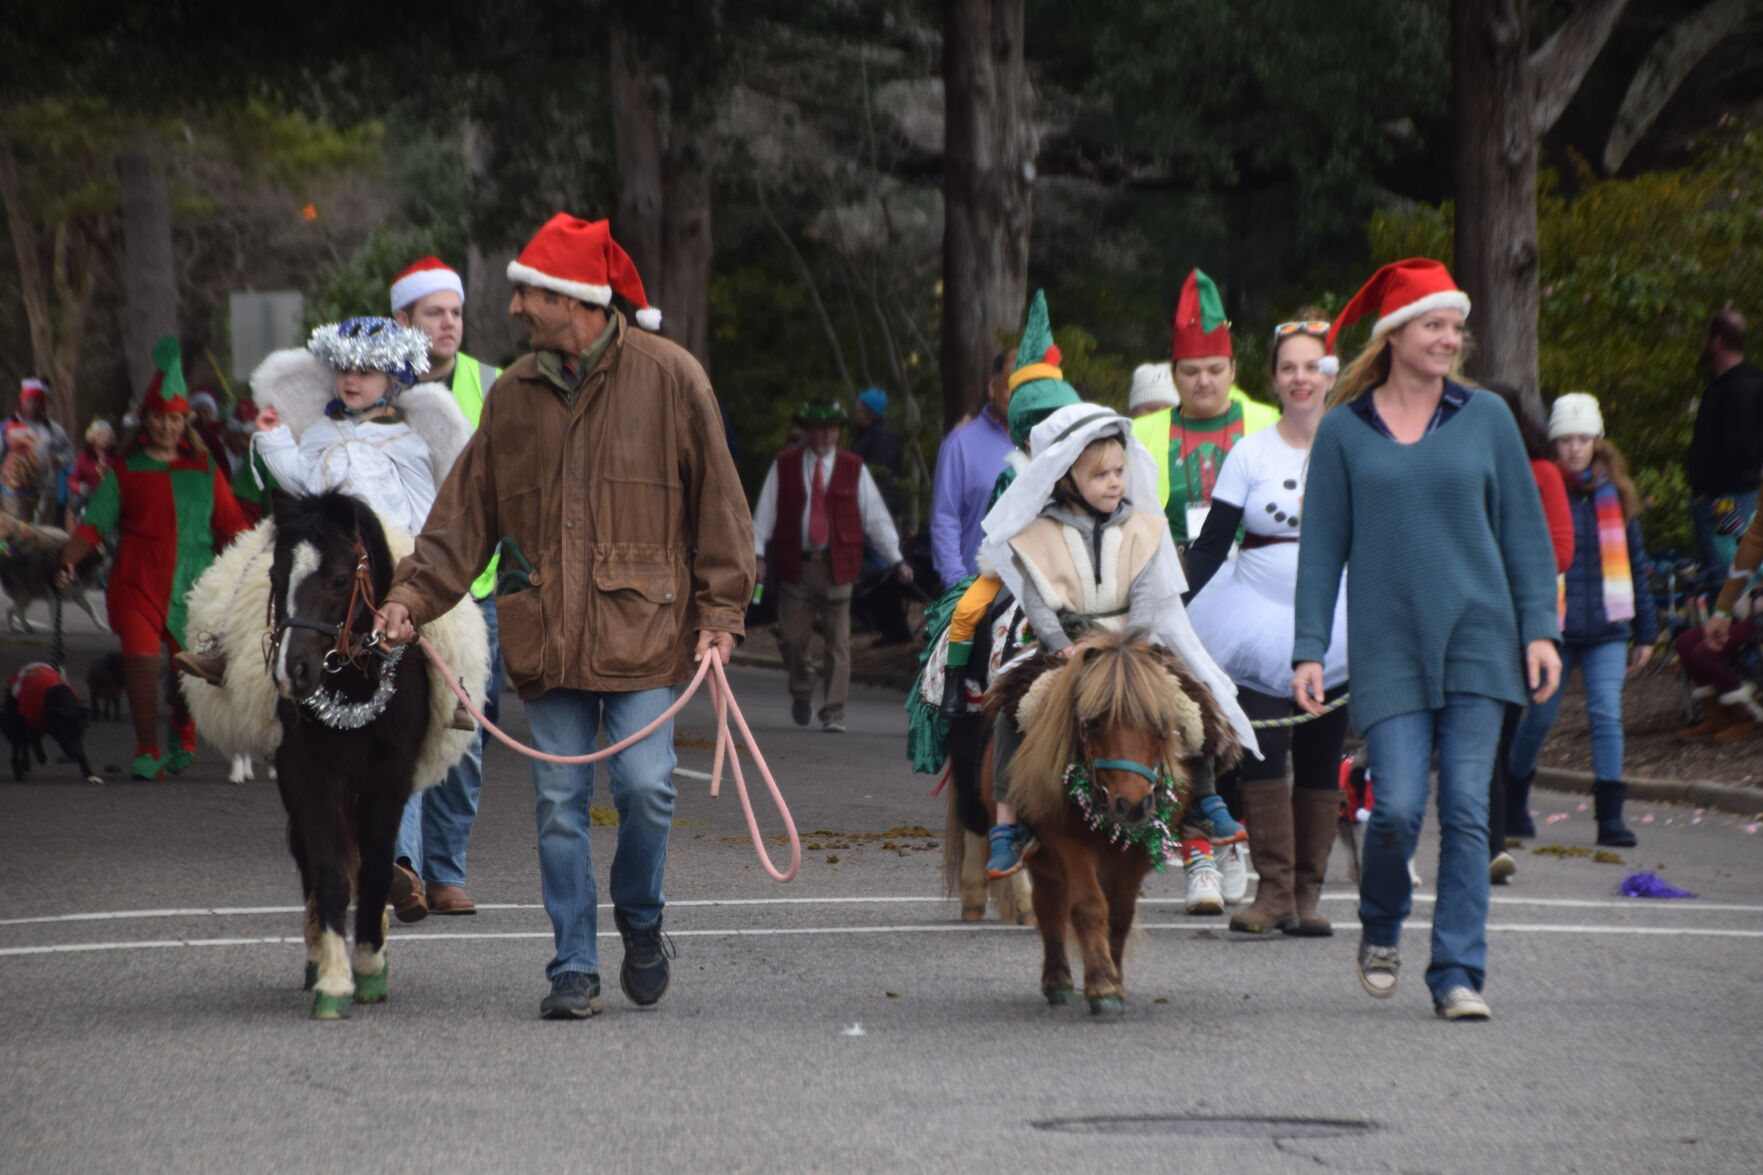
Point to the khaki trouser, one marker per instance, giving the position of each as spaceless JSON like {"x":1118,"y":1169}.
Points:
{"x":798,"y":606}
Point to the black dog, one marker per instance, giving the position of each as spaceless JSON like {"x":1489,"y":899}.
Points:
{"x":40,"y":702}
{"x":105,"y":685}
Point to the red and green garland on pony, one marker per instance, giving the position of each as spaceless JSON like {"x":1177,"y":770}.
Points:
{"x":171,"y":504}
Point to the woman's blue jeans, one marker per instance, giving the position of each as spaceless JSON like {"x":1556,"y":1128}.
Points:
{"x":1464,"y":734}
{"x":1604,"y":666}
{"x":566,"y":722}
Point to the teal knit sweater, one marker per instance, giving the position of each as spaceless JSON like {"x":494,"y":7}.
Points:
{"x":1451,"y":571}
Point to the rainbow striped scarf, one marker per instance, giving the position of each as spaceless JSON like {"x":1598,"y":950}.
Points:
{"x":1612,"y":551}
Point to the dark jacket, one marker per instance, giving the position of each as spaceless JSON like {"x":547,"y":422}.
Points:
{"x":1726,"y":449}
{"x":1586,"y":622}
{"x":880,"y":450}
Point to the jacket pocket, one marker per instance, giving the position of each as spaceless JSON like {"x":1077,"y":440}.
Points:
{"x":638,"y":614}
{"x":520,"y":625}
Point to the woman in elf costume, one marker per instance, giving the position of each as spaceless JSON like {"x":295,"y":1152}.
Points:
{"x":171,"y":504}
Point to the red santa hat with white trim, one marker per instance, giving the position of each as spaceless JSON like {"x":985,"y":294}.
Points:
{"x":579,"y":258}
{"x":431,"y":275}
{"x":1399,"y":293}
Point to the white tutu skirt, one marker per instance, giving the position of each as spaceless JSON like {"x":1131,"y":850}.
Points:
{"x":1249,"y":633}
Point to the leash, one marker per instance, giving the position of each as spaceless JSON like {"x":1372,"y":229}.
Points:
{"x":721,"y":697}
{"x":1301,"y":719}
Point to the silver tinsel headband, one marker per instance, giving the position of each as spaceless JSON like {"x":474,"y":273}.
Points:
{"x":373,"y":344}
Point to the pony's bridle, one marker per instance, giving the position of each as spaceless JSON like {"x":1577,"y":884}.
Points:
{"x":349,"y":647}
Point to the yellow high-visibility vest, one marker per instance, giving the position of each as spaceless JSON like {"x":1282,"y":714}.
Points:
{"x":469,"y":386}
{"x":1153,"y":433}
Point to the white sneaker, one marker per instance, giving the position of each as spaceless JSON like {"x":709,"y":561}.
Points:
{"x":1204,"y":896}
{"x":1233,"y":874}
{"x":1462,"y":1003}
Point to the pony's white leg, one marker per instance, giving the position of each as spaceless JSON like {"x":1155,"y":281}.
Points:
{"x":333,"y":969}
{"x":370,"y":974}
{"x":241,"y":769}
{"x":973,"y":877}
{"x":250,"y":767}
{"x":1015,"y":898}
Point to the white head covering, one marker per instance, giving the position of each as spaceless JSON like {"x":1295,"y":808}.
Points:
{"x":1576,"y":414}
{"x":1152,"y":383}
{"x":1056,"y":443}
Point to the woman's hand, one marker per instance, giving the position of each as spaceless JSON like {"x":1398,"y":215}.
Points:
{"x":1717,"y":631}
{"x":64,"y":576}
{"x":268,"y":418}
{"x":1307,"y":688}
{"x":1542,"y":669}
{"x":1638,"y":658}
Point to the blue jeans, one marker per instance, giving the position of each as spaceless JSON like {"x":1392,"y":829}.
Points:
{"x":1603,"y":665}
{"x":1715,"y":551}
{"x":436,"y":823}
{"x":565,"y":722}
{"x":1465,"y":734}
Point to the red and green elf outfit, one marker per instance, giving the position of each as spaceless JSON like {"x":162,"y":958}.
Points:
{"x":172,"y":516}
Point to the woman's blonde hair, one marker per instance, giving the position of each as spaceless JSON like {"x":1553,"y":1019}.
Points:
{"x":1370,"y":368}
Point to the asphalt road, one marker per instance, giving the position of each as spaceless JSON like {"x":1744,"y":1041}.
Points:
{"x":151,"y":1015}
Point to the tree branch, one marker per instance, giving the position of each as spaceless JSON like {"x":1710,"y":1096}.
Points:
{"x":1560,"y":65}
{"x":1669,"y":62}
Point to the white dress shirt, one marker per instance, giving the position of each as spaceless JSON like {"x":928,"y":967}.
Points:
{"x":878,"y":527}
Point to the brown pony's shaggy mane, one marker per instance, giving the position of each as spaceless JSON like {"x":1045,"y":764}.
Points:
{"x":1115,"y":680}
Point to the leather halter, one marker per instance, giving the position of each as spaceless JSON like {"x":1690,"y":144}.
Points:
{"x":349,"y":647}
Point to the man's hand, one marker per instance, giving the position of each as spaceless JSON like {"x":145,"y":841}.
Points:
{"x":903,"y":571}
{"x":722,"y":642}
{"x":1307,"y":687}
{"x":393,"y":621}
{"x":1542,"y":669}
{"x":1717,"y":631}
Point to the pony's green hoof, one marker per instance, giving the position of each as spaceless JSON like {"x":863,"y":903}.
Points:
{"x":1107,"y":1005}
{"x":1061,"y":997}
{"x":311,"y":977}
{"x":331,"y":1007}
{"x":370,"y":989}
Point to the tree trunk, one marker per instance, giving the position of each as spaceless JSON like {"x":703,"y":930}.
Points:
{"x":1560,"y":65}
{"x":688,"y":249}
{"x":1496,"y":261}
{"x":1672,"y":58}
{"x":639,"y":104}
{"x":988,"y":167}
{"x":56,"y":327}
{"x":489,"y":332}
{"x":149,"y":273}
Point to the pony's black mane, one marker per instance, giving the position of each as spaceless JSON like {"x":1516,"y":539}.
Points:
{"x":330,"y":520}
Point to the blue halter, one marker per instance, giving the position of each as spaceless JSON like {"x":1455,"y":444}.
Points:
{"x":1131,"y":765}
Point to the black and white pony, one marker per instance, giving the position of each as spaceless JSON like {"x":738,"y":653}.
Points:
{"x":354,"y":716}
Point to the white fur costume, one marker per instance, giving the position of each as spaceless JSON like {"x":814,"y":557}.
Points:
{"x":230,"y":602}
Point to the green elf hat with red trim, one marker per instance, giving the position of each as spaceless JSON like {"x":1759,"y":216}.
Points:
{"x":1201,"y":329}
{"x":166,"y":392}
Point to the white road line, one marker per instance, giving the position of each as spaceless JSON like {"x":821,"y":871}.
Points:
{"x":704,"y":775}
{"x":793,"y":931}
{"x":1682,"y":906}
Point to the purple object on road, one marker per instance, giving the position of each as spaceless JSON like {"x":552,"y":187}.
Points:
{"x":1650,"y":885}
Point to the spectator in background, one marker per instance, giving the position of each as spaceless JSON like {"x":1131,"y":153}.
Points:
{"x":1153,"y":390}
{"x":881,"y":605}
{"x":968,"y":464}
{"x":205,"y":419}
{"x":1726,"y":449}
{"x":1731,"y":708}
{"x":88,"y":469}
{"x":55,"y":452}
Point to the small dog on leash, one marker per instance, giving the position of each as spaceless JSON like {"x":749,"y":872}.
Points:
{"x":39,"y":702}
{"x":104,"y":684}
{"x":29,"y":559}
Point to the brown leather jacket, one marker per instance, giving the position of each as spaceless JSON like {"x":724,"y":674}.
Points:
{"x":627,"y":506}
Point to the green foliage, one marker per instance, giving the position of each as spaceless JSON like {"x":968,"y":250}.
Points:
{"x":361,"y":284}
{"x":1630,"y":271}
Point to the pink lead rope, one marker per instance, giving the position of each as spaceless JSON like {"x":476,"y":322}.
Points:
{"x":721,"y":697}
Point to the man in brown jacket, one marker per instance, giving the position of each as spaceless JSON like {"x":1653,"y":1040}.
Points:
{"x":600,"y":466}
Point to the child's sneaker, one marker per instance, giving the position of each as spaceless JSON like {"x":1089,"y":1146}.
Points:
{"x":1208,"y":817}
{"x":1012,"y":844}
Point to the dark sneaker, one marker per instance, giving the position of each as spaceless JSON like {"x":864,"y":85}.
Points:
{"x":1379,"y":968}
{"x":646,"y":951}
{"x":575,"y":995}
{"x":801,"y":710}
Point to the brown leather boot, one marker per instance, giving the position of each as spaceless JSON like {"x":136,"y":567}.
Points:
{"x":1746,"y":711}
{"x":406,"y":895}
{"x":1267,"y":813}
{"x":1715,"y":716}
{"x":209,"y":664}
{"x":462,"y":719}
{"x":1315,"y":813}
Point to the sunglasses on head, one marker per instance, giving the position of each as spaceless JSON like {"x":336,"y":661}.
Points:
{"x":1319,"y":329}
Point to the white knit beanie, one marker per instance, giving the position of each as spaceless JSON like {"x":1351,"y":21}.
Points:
{"x":1576,"y":414}
{"x":1152,"y":383}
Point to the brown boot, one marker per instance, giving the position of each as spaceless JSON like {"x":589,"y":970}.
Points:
{"x":209,"y":664}
{"x":1715,"y":716}
{"x":1267,"y":812}
{"x":1315,"y":813}
{"x":1746,"y":711}
{"x":461,"y":718}
{"x":406,"y":895}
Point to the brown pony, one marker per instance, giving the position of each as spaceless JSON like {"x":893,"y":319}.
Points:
{"x":1131,"y":717}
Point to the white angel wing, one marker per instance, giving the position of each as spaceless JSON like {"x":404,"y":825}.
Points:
{"x":297,"y":384}
{"x":435,"y":417}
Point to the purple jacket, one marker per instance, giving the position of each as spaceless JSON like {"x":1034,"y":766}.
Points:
{"x":968,"y":465}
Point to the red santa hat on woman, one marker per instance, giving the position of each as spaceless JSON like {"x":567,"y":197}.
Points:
{"x":1399,"y":293}
{"x":579,"y":258}
{"x":33,"y":389}
{"x":431,"y":275}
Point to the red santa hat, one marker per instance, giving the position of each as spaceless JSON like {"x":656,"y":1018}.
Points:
{"x":1401,"y":292}
{"x":1201,"y":329}
{"x":431,"y":275}
{"x":579,"y":258}
{"x":33,"y":388}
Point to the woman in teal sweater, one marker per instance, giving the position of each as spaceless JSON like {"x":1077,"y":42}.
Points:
{"x":1450,"y":608}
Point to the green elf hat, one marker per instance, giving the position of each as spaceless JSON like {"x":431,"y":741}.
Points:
{"x":1037,"y":385}
{"x":166,"y":392}
{"x":817,"y":412}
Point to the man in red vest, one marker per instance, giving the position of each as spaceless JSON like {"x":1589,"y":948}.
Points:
{"x":816,"y":508}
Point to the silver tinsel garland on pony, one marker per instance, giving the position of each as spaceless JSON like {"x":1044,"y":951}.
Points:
{"x":340,"y":714}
